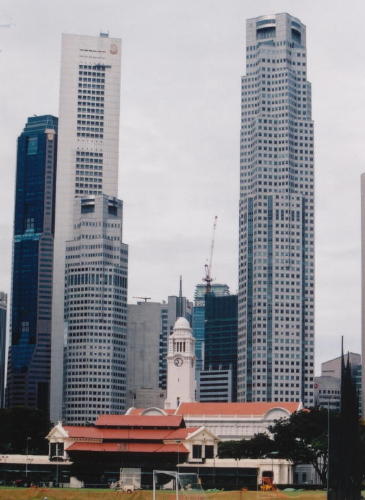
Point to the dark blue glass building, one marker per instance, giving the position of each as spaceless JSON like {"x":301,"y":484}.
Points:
{"x":198,"y":319}
{"x":220,"y":346}
{"x":30,"y":330}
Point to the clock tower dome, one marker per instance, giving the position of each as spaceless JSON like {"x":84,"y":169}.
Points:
{"x":180,"y":365}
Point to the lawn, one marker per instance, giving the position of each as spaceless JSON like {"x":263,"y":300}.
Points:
{"x":85,"y":494}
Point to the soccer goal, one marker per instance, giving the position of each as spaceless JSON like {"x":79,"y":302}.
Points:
{"x":173,"y":485}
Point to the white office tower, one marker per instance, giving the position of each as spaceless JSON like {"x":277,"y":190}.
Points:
{"x":362,"y":402}
{"x":276,"y":225}
{"x":180,"y":365}
{"x":95,"y":311}
{"x":87,"y":158}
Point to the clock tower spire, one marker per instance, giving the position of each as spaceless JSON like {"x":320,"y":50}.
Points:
{"x":180,"y":365}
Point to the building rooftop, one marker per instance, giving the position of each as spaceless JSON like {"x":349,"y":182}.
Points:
{"x":140,"y":421}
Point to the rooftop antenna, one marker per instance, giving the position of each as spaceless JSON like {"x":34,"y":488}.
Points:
{"x":208,"y":267}
{"x":179,"y":308}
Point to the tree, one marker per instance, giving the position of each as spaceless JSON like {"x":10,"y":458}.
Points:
{"x":20,"y":423}
{"x":345,"y":439}
{"x":303,"y":439}
{"x":257,"y":447}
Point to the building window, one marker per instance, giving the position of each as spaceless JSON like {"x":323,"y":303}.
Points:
{"x":32,"y":146}
{"x":209,"y":451}
{"x":197,"y":450}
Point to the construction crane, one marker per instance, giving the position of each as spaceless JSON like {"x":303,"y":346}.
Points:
{"x":143,"y":298}
{"x":208,"y":267}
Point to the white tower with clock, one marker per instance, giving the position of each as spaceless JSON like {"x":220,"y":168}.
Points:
{"x":180,"y":365}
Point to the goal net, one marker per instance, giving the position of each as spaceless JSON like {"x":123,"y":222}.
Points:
{"x":172,"y":485}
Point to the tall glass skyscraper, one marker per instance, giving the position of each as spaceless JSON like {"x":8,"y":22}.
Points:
{"x":28,"y":381}
{"x":276,"y":224}
{"x":198,"y":318}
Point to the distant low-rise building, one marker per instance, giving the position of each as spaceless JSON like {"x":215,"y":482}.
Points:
{"x":327,"y":392}
{"x":327,"y":387}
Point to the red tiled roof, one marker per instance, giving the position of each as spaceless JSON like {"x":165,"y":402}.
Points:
{"x":139,"y":421}
{"x":139,"y":411}
{"x":128,"y":434}
{"x":241,"y":409}
{"x":129,"y":447}
{"x":82,"y":431}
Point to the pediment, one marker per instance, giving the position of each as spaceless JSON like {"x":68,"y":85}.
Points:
{"x":202,"y":433}
{"x":57,"y":432}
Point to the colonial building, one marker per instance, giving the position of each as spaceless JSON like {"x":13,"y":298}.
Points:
{"x":99,"y":451}
{"x":228,"y":420}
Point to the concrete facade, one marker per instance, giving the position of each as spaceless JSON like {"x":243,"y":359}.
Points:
{"x":228,"y":421}
{"x":95,"y":371}
{"x":327,"y":392}
{"x":144,"y":332}
{"x":276,"y":216}
{"x":87,"y":164}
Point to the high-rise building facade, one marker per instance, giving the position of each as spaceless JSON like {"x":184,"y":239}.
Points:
{"x":143,"y":339}
{"x":28,"y":380}
{"x":198,"y":318}
{"x":218,"y":380}
{"x":3,"y":311}
{"x":363,"y":294}
{"x":87,"y":158}
{"x":95,"y":312}
{"x":276,"y":223}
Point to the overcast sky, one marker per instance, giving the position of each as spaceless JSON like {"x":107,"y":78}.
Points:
{"x":179,"y":137}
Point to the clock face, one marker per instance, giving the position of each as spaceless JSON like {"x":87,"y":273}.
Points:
{"x":178,"y":361}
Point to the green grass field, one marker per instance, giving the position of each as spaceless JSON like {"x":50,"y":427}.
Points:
{"x":85,"y":494}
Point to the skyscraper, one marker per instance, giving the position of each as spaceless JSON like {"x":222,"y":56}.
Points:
{"x":95,"y":311}
{"x":198,"y":318}
{"x":87,"y":159}
{"x":29,"y":359}
{"x":362,"y":294}
{"x":3,"y":310}
{"x":218,"y":380}
{"x":276,"y":224}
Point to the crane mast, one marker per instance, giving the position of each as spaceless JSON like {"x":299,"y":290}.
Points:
{"x":208,"y":267}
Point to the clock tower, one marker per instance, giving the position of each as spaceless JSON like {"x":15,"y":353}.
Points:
{"x":180,"y":365}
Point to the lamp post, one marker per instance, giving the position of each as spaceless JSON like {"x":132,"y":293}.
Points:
{"x":26,"y":456}
{"x":58,"y":458}
{"x":272,"y":463}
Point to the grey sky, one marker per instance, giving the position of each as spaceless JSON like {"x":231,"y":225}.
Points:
{"x":179,"y":149}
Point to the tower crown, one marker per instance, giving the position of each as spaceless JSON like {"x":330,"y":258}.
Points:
{"x":182,"y":326}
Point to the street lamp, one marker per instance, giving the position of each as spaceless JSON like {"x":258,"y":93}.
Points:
{"x":26,"y":457}
{"x":58,"y":458}
{"x":272,"y":463}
